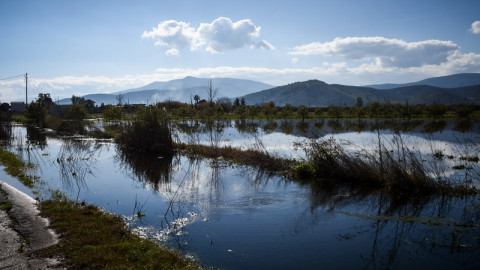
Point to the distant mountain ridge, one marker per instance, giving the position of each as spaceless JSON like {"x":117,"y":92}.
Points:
{"x":180,"y":90}
{"x":320,"y":94}
{"x":310,"y":93}
{"x":450,"y":81}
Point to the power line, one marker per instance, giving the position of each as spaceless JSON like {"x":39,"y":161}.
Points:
{"x":12,"y":77}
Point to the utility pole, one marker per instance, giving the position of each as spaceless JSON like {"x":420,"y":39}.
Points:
{"x":26,"y":90}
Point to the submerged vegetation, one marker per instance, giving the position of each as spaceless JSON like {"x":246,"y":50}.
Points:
{"x":16,"y":167}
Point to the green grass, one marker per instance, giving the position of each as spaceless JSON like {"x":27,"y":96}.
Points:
{"x":16,"y":167}
{"x":93,"y":239}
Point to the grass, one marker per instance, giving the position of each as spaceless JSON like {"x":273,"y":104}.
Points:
{"x":93,"y":239}
{"x":16,"y":167}
{"x":402,"y":174}
{"x":437,"y":222}
{"x":253,"y":158}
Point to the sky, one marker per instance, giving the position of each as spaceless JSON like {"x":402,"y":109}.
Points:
{"x":83,"y":47}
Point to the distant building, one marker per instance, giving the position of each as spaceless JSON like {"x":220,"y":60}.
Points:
{"x":17,"y":106}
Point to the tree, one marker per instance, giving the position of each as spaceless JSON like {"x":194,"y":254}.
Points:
{"x":236,"y":103}
{"x":77,"y":100}
{"x":302,"y":111}
{"x":252,"y":111}
{"x":287,"y":110}
{"x":46,"y":100}
{"x":269,"y":109}
{"x":196,"y":98}
{"x":211,"y":92}
{"x":359,"y":102}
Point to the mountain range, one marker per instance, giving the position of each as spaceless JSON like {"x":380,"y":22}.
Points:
{"x":453,"y":89}
{"x":180,"y":90}
{"x":450,"y":81}
{"x":320,"y":94}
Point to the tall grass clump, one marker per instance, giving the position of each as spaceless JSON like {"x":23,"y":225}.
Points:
{"x":149,"y":131}
{"x":400,"y":172}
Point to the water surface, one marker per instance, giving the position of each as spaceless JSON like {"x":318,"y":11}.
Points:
{"x":236,"y":217}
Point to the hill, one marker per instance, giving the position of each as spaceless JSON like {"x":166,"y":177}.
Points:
{"x":451,"y":81}
{"x":317,"y":93}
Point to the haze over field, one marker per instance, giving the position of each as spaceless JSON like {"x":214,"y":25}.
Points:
{"x":92,"y":47}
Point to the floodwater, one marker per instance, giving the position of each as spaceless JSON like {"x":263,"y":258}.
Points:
{"x":236,"y":217}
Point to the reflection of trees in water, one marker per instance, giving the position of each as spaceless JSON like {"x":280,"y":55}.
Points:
{"x":415,"y":227}
{"x":303,"y":127}
{"x":463,"y":126}
{"x":409,"y":125}
{"x":270,"y":126}
{"x":248,"y":127}
{"x":358,"y":125}
{"x":335,"y":125}
{"x":6,"y":135}
{"x":75,"y":160}
{"x":434,"y":126}
{"x":188,"y":127}
{"x":286,"y":126}
{"x":150,"y":169}
{"x":319,"y":124}
{"x":36,"y":137}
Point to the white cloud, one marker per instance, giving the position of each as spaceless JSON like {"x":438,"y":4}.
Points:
{"x":475,"y":27}
{"x":173,"y":34}
{"x":172,"y":51}
{"x":387,"y":52}
{"x":216,"y":37}
{"x":294,"y":60}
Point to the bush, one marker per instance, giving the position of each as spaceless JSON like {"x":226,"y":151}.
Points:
{"x":76,"y":113}
{"x":149,"y":132}
{"x":36,"y":112}
{"x":112,"y":113}
{"x":74,"y":123}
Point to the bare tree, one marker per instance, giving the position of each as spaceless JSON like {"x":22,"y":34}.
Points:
{"x":119,"y":98}
{"x":211,"y":92}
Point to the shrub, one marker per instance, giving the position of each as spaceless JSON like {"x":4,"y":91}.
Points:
{"x":112,"y":112}
{"x":74,"y":124}
{"x":149,"y":132}
{"x":36,"y":112}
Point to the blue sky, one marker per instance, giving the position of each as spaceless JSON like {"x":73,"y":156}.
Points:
{"x":81,"y":47}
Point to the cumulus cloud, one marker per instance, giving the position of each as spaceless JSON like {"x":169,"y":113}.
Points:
{"x":475,"y":27}
{"x":216,"y":37}
{"x":387,"y":52}
{"x":173,"y":34}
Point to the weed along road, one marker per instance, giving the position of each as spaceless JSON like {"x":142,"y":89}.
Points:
{"x":23,"y":231}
